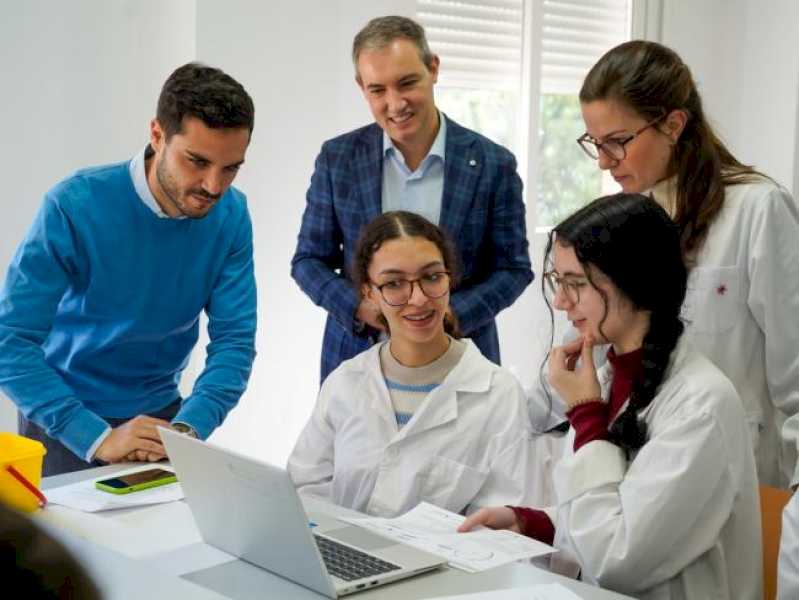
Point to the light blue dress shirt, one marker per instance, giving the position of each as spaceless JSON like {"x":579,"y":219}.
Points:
{"x":419,"y":191}
{"x":138,"y":174}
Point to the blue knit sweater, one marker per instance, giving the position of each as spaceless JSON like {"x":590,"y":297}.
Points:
{"x":101,"y":304}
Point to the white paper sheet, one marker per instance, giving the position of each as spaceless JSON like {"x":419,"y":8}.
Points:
{"x":434,"y":530}
{"x":549,"y":591}
{"x":87,"y":498}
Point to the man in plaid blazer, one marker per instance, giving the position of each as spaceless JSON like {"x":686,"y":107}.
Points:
{"x":477,"y":196}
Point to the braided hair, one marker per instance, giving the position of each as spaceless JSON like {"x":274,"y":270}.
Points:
{"x":633,"y":242}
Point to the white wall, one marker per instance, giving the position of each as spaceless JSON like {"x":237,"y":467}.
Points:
{"x":88,"y":75}
{"x":79,"y":84}
{"x":744,"y":55}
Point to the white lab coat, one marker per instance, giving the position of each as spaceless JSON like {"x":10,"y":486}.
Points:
{"x":681,"y":521}
{"x":742,"y":312}
{"x":788,"y":567}
{"x":469,"y":444}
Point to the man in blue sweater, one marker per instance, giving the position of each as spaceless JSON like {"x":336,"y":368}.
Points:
{"x":101,"y":304}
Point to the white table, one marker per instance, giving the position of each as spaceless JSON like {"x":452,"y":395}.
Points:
{"x":127,"y":552}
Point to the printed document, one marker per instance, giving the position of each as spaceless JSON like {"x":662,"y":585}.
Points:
{"x":434,"y":530}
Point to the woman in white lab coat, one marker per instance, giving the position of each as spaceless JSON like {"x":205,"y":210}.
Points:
{"x":739,"y":230}
{"x":656,"y":494}
{"x":422,"y":416}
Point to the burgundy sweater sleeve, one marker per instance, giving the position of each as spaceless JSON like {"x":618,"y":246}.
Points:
{"x":535,"y":524}
{"x":590,"y":422}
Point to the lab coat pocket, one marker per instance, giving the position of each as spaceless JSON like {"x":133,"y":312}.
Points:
{"x":714,"y":301}
{"x":450,"y":484}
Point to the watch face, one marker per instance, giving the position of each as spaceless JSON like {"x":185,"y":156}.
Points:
{"x":183,"y":428}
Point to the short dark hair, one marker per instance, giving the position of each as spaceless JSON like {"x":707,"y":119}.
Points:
{"x":380,"y":32}
{"x":203,"y":92}
{"x":399,"y":224}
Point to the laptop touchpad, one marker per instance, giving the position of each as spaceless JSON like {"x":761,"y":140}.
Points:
{"x":359,"y":537}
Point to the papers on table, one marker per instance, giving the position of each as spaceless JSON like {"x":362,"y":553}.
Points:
{"x":549,"y":591}
{"x":434,"y":530}
{"x":84,"y":496}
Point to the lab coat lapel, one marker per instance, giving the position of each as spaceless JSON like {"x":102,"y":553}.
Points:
{"x":441,"y":405}
{"x":376,"y":391}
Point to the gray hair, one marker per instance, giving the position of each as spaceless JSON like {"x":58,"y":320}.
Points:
{"x":380,"y":32}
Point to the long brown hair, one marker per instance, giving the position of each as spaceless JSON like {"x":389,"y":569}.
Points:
{"x":652,"y":80}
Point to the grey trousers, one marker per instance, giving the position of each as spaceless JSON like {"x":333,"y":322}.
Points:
{"x":59,"y":459}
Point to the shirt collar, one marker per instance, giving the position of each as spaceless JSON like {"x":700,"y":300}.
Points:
{"x":438,"y":148}
{"x":138,"y":174}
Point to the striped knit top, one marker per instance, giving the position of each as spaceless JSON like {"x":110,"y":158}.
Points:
{"x":409,"y":386}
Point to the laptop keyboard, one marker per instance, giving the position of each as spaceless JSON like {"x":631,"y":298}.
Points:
{"x":349,"y":564}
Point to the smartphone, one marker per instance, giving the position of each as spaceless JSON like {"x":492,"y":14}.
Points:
{"x":133,"y":482}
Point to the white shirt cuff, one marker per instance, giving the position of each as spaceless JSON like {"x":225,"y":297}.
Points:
{"x":93,"y":448}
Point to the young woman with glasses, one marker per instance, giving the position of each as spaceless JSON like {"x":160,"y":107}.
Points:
{"x":739,"y":232}
{"x":422,"y":416}
{"x":656,"y":492}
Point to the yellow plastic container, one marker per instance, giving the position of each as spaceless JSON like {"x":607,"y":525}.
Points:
{"x":26,"y":456}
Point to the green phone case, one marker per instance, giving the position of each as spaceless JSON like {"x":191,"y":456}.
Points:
{"x":135,"y":488}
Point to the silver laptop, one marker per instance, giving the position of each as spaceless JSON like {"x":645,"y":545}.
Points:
{"x":251,"y":510}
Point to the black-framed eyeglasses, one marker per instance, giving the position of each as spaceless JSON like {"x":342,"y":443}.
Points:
{"x":398,"y":292}
{"x":614,"y":147}
{"x":571,"y":287}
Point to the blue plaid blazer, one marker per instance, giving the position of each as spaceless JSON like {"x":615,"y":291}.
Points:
{"x":482,"y":211}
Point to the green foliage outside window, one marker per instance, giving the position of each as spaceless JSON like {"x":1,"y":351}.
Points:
{"x":567,"y":178}
{"x":490,"y":112}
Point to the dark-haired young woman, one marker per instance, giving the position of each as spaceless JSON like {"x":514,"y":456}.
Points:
{"x":656,"y":494}
{"x":422,"y":416}
{"x":739,"y":233}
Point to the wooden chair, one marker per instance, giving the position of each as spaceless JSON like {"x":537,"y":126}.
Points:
{"x":772,"y":501}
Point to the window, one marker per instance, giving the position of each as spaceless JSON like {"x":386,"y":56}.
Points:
{"x":501,"y":57}
{"x":480,"y":44}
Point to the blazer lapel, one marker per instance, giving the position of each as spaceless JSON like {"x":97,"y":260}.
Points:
{"x":462,"y":168}
{"x":368,"y":172}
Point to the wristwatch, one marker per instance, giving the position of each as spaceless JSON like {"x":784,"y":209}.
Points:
{"x":185,"y":429}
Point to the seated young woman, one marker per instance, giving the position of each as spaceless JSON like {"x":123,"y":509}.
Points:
{"x":656,"y":493}
{"x":422,"y":416}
